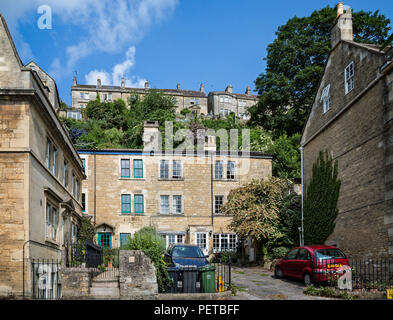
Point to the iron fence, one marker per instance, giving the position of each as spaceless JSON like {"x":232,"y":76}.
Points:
{"x":369,"y":274}
{"x":194,"y":277}
{"x":103,"y":262}
{"x":46,"y":279}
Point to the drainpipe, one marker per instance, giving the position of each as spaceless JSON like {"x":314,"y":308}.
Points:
{"x":95,"y":188}
{"x":302,"y":218}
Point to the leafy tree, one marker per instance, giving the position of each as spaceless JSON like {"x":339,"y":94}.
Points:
{"x":320,"y":200}
{"x":255,"y":211}
{"x":153,"y":245}
{"x":295,"y":62}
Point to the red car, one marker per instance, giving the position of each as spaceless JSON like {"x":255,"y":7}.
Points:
{"x":317,"y":263}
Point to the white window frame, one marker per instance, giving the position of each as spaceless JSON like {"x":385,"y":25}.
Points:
{"x":159,"y":169}
{"x":177,"y":169}
{"x":174,"y":211}
{"x":325,"y":98}
{"x":221,"y":170}
{"x":176,"y":235}
{"x":206,"y":248}
{"x":349,"y":77}
{"x":168,"y":211}
{"x":221,"y":237}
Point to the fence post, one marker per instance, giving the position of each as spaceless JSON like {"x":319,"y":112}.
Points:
{"x":229,"y":271}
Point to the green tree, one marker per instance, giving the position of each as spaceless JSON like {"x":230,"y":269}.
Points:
{"x":153,"y":245}
{"x":320,"y":200}
{"x":255,"y":209}
{"x":295,"y":62}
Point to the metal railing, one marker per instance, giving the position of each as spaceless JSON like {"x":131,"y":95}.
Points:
{"x":367,"y":274}
{"x":194,"y":277}
{"x":46,"y":279}
{"x":103,"y":262}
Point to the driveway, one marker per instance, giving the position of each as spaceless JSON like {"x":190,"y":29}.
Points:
{"x":256,"y":283}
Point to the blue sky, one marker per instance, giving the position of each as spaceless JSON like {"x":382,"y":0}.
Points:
{"x":215,"y":42}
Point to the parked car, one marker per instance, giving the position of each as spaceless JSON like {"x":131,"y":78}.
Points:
{"x":319,"y":263}
{"x":185,"y":255}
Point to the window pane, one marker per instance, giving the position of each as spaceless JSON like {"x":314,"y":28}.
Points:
{"x":164,"y":204}
{"x":218,"y":202}
{"x":125,"y":203}
{"x":218,"y":170}
{"x":164,"y":169}
{"x":125,"y":168}
{"x":138,"y":169}
{"x":176,"y":168}
{"x":83,"y":202}
{"x":177,"y":205}
{"x":230,"y":170}
{"x":124,"y":238}
{"x":138,"y":203}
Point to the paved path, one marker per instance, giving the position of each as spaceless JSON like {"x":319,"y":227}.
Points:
{"x":256,"y":283}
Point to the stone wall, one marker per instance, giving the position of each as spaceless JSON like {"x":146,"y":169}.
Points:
{"x":75,"y":282}
{"x":137,"y":275}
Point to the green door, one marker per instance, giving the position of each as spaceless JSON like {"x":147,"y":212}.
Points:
{"x":105,"y":239}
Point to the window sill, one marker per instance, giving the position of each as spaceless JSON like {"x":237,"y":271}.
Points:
{"x":52,"y":242}
{"x":122,"y":178}
{"x":170,"y":214}
{"x":132,"y":214}
{"x":170,"y":179}
{"x":226,"y":180}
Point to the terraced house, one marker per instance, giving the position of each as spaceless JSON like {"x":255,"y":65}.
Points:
{"x":352,"y":118}
{"x":41,"y":172}
{"x":178,"y":193}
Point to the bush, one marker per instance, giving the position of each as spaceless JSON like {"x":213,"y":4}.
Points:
{"x":278,"y":253}
{"x":111,"y":255}
{"x":153,"y":245}
{"x":223,"y":257}
{"x":328,"y":292}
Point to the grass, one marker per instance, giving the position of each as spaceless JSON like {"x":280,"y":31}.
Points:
{"x":235,"y":288}
{"x":263,"y":274}
{"x":328,"y":292}
{"x":240,"y":272}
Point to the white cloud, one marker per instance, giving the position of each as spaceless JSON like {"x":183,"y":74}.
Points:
{"x":119,"y":70}
{"x":106,"y":26}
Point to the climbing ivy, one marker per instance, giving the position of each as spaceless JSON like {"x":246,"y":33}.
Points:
{"x":320,"y":201}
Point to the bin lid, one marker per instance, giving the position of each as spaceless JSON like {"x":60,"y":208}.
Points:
{"x":208,"y":268}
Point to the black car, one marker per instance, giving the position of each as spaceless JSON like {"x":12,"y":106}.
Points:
{"x":185,"y":255}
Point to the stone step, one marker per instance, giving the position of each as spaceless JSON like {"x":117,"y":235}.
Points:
{"x":106,"y":292}
{"x":105,"y":284}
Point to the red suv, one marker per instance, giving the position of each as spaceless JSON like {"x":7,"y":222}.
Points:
{"x":317,"y":263}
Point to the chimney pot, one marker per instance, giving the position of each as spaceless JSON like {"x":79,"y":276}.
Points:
{"x":146,"y":84}
{"x":123,"y":83}
{"x":342,"y":29}
{"x":340,"y":9}
{"x":74,"y":81}
{"x":202,"y":88}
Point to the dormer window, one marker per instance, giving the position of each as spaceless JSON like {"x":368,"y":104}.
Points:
{"x":349,"y":78}
{"x":325,"y":98}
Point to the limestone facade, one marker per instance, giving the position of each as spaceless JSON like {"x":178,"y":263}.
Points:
{"x":126,"y":190}
{"x":221,"y":103}
{"x":81,"y":94}
{"x":38,"y":211}
{"x":352,"y":118}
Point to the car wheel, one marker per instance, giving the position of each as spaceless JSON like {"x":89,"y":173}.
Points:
{"x":307,"y":279}
{"x":278,"y":273}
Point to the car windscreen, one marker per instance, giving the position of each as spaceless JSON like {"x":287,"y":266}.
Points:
{"x":323,"y":254}
{"x":187,"y":252}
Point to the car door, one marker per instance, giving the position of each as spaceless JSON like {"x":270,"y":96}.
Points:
{"x":303,"y":258}
{"x":289,"y":263}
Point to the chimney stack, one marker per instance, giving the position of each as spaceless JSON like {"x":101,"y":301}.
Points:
{"x":74,"y":82}
{"x":146,"y":84}
{"x":248,"y":90}
{"x":123,"y":83}
{"x":210,"y":144}
{"x":229,"y":89}
{"x":178,"y":86}
{"x":340,"y":9}
{"x":98,"y":82}
{"x":202,"y":88}
{"x":342,"y":29}
{"x":151,"y":136}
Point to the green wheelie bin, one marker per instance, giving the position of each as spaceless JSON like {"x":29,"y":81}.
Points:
{"x":208,"y":279}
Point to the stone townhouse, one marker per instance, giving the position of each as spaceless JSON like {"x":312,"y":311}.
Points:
{"x":81,"y":94}
{"x":178,"y":193}
{"x":221,"y":103}
{"x":352,"y":118}
{"x":41,"y":172}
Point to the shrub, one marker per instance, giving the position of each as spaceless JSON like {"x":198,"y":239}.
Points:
{"x":278,"y":253}
{"x":153,"y":245}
